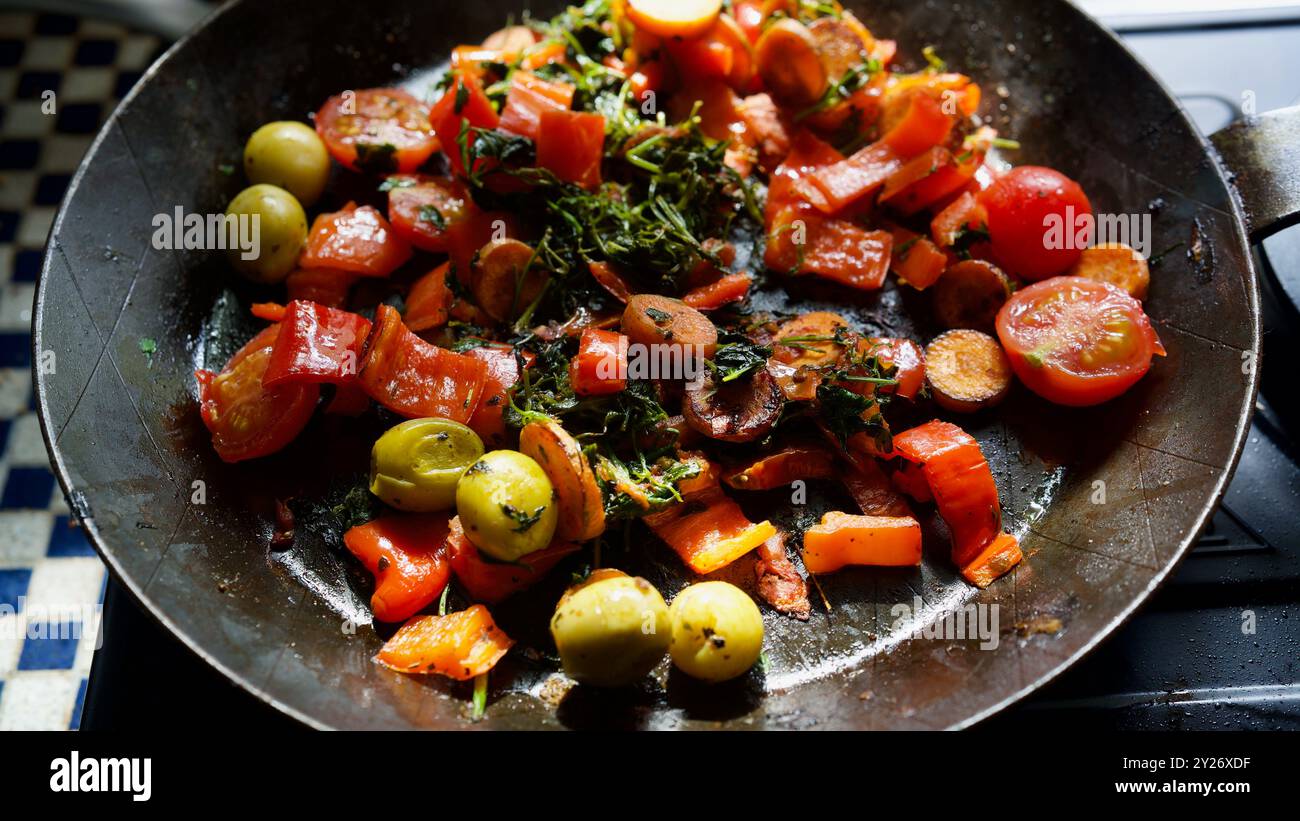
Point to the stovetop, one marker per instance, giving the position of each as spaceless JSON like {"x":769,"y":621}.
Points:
{"x":1216,"y":647}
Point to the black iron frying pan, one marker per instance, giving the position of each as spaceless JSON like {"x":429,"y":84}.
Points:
{"x":290,"y":627}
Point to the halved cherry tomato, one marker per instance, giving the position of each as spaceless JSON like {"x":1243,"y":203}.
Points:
{"x":423,"y":210}
{"x":405,"y":553}
{"x":488,"y":580}
{"x":246,"y":419}
{"x":571,"y":144}
{"x":1034,"y":214}
{"x":316,"y":344}
{"x":355,"y":239}
{"x":377,"y":130}
{"x":1077,"y":342}
{"x":413,"y":378}
{"x":600,"y":367}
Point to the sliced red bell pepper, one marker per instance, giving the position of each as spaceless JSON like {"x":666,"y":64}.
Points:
{"x":916,"y":260}
{"x":783,"y":467}
{"x":1002,"y":554}
{"x":571,"y":144}
{"x":429,"y":300}
{"x":923,"y":126}
{"x":807,"y":155}
{"x":316,"y":344}
{"x":731,"y":288}
{"x":836,"y":188}
{"x":804,"y":242}
{"x":964,"y":212}
{"x":405,"y":553}
{"x":842,"y":539}
{"x":962,"y":484}
{"x":490,"y":581}
{"x":712,"y":534}
{"x":600,"y":368}
{"x":464,"y":103}
{"x":529,"y":96}
{"x":458,"y":645}
{"x":488,"y":420}
{"x":414,"y":378}
{"x":320,"y":285}
{"x":355,"y":239}
{"x":270,"y":311}
{"x":928,"y":178}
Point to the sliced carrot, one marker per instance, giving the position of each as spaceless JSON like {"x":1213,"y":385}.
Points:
{"x":969,"y":295}
{"x":650,"y":319}
{"x":787,"y":60}
{"x":1117,"y":264}
{"x":843,"y":539}
{"x":714,"y":535}
{"x":967,"y":370}
{"x":674,"y":18}
{"x":578,"y":499}
{"x":731,"y":288}
{"x":270,"y":311}
{"x":962,"y":484}
{"x":501,"y":285}
{"x":1002,"y":554}
{"x":428,"y":301}
{"x":783,"y":467}
{"x":458,"y":645}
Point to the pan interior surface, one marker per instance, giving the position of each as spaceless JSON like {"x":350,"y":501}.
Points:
{"x":1105,"y":500}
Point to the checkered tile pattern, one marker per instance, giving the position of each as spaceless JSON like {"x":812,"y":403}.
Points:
{"x":59,"y":79}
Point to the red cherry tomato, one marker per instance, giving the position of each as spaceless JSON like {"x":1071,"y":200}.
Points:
{"x":423,"y":209}
{"x":379,"y":130}
{"x":246,"y":419}
{"x":1077,"y":342}
{"x":1022,"y":207}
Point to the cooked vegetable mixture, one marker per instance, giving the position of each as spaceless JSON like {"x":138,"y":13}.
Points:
{"x":560,"y":252}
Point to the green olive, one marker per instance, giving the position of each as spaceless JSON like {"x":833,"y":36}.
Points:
{"x":717,"y":631}
{"x":289,"y":155}
{"x":280,"y":232}
{"x":415,"y":465}
{"x":611,"y":630}
{"x":507,"y":505}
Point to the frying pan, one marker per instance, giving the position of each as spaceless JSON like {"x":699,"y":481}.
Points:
{"x":1106,"y":500}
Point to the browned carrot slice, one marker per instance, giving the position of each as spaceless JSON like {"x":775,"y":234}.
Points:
{"x":788,"y":62}
{"x":650,"y":319}
{"x":969,"y":295}
{"x":674,"y":18}
{"x":1118,"y":264}
{"x":967,"y":370}
{"x":582,"y":512}
{"x":501,"y":285}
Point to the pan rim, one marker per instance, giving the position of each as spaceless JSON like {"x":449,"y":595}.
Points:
{"x":100,"y":543}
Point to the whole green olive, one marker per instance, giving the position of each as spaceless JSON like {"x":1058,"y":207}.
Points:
{"x":415,"y":465}
{"x":717,"y":631}
{"x":288,"y":154}
{"x":507,"y":505}
{"x":611,"y":630}
{"x":277,"y":229}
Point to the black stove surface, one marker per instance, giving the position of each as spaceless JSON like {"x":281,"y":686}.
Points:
{"x":1218,"y":647}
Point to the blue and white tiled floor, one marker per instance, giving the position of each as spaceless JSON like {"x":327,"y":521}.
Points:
{"x":51,"y":581}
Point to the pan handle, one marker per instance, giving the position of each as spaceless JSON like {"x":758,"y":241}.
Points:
{"x":1263,"y":155}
